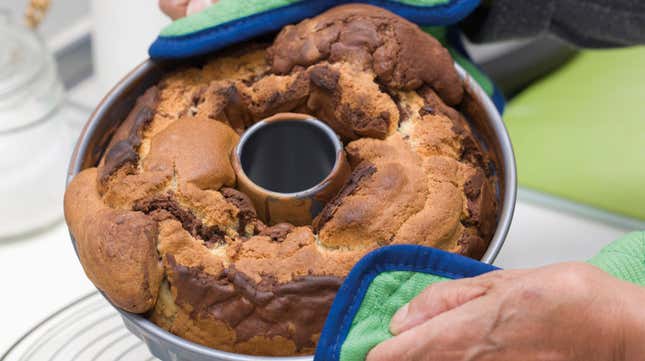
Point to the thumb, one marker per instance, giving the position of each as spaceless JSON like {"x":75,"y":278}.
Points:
{"x":174,"y":8}
{"x":436,"y":299}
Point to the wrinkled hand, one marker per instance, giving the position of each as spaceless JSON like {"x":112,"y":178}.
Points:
{"x":570,"y":311}
{"x":179,"y":8}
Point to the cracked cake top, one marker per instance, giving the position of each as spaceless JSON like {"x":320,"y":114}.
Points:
{"x":161,"y":228}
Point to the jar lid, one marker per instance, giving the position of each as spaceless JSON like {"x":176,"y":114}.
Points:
{"x":29,"y":85}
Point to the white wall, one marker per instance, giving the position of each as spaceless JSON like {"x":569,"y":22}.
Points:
{"x":121,"y":38}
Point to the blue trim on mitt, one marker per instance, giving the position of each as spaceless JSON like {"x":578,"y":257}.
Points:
{"x":390,"y":258}
{"x":243,"y":29}
{"x":499,"y":100}
{"x":233,"y":32}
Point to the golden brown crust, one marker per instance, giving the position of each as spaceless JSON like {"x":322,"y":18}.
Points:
{"x":274,"y":94}
{"x":350,"y":101}
{"x":117,"y":248}
{"x":373,"y":212}
{"x":122,"y":154}
{"x":193,"y":147}
{"x":400,"y":54}
{"x":197,"y":256}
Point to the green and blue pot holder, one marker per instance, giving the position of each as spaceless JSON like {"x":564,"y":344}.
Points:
{"x":228,"y":22}
{"x":388,"y":278}
{"x":379,"y":284}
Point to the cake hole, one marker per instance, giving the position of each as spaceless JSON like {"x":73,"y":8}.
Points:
{"x":289,"y":156}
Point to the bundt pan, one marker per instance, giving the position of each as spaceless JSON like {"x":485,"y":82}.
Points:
{"x":483,"y":116}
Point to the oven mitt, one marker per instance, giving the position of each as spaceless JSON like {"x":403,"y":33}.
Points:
{"x":624,"y":258}
{"x":378,"y":285}
{"x":228,"y":22}
{"x":389,"y":277}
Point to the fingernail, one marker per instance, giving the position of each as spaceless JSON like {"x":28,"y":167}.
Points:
{"x":196,"y":6}
{"x":397,"y":322}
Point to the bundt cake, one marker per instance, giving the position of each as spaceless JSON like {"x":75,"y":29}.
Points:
{"x":162,"y":230}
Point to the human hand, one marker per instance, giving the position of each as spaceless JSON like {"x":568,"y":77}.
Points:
{"x":179,"y":8}
{"x":570,"y":311}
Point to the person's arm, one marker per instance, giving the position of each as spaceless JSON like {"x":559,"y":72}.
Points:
{"x":562,"y":312}
{"x":635,"y":325}
{"x":589,"y":23}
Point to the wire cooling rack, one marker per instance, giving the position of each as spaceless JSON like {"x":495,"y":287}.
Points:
{"x":87,"y":329}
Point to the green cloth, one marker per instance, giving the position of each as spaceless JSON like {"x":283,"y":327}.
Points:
{"x":580,"y":132}
{"x":228,"y":10}
{"x":385,"y":295}
{"x":424,"y":2}
{"x":221,"y":12}
{"x":624,"y":259}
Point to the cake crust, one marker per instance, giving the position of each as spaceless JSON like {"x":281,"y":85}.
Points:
{"x":401,"y":55}
{"x":117,"y":248}
{"x":161,"y":228}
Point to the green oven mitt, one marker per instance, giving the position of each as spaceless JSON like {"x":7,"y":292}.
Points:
{"x":624,"y":258}
{"x":390,"y":277}
{"x":228,"y":22}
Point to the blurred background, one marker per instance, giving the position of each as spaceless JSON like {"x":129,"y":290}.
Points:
{"x":574,"y":118}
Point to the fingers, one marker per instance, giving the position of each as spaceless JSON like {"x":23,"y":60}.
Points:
{"x":174,"y":8}
{"x":437,"y":299}
{"x":450,"y":336}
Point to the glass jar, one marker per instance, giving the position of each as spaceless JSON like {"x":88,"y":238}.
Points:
{"x":35,"y":141}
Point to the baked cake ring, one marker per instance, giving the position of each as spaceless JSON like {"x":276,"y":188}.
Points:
{"x":162,"y":230}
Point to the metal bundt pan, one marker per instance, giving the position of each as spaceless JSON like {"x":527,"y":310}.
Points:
{"x":114,"y":108}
